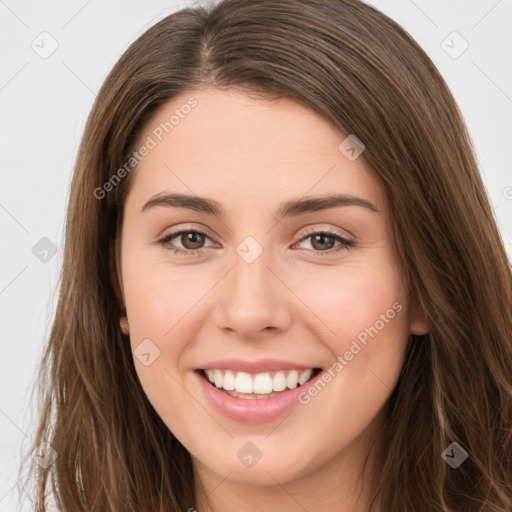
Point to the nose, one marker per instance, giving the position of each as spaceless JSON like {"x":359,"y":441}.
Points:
{"x":253,"y":300}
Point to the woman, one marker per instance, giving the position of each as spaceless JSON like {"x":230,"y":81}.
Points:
{"x":209,"y":352}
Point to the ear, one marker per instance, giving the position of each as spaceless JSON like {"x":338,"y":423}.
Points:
{"x":123,"y":322}
{"x":417,"y":324}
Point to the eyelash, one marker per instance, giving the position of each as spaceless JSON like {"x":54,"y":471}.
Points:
{"x":345,"y":243}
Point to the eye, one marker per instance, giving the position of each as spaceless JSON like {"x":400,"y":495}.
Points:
{"x":191,"y":239}
{"x":323,"y":242}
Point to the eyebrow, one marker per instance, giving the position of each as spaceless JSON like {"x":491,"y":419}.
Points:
{"x":290,"y":208}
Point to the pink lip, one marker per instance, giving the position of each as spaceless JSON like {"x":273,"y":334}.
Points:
{"x":263,"y":365}
{"x":253,"y":410}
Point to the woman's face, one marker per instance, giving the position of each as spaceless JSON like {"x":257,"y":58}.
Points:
{"x":269,"y":288}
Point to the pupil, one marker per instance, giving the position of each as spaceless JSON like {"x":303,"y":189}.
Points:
{"x":323,"y":237}
{"x":192,"y":238}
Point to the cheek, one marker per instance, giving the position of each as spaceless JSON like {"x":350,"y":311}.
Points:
{"x":362,"y":313}
{"x":160,"y":308}
{"x":165,"y":307}
{"x":160,"y":298}
{"x":367,"y":334}
{"x":347,"y":300}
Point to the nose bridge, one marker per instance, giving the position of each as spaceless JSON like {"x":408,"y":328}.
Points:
{"x":250,"y":270}
{"x":251,"y":300}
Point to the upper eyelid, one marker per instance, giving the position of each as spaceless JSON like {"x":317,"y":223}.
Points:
{"x":175,"y":233}
{"x":328,"y":231}
{"x":308,"y":229}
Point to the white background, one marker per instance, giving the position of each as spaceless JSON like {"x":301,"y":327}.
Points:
{"x":44,"y":104}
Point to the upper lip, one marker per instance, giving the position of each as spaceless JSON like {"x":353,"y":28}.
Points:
{"x":259,"y":366}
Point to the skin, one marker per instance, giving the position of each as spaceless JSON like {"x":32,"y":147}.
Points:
{"x":287,"y":304}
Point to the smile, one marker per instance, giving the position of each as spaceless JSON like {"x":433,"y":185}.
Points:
{"x":250,"y":405}
{"x":261,"y":385}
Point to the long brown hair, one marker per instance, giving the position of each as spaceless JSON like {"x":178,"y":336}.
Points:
{"x":360,"y":71}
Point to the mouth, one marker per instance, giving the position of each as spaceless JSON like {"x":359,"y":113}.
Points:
{"x":257,"y":386}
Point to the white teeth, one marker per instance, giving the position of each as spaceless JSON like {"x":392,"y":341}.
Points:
{"x":260,"y":385}
{"x":243,"y":383}
{"x":217,"y":375}
{"x":228,"y":382}
{"x":250,"y":396}
{"x":279,"y":382}
{"x":305,"y":376}
{"x":291,"y":380}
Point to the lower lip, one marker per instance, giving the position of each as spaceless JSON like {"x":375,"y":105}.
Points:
{"x":257,"y":410}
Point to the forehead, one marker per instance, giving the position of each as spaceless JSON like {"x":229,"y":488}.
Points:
{"x":234,"y":147}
